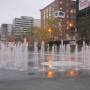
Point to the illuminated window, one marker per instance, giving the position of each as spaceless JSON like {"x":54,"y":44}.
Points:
{"x":72,"y":11}
{"x":60,"y":2}
{"x":60,"y":8}
{"x":67,"y":27}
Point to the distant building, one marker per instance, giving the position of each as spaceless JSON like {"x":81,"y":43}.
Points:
{"x":0,"y":30}
{"x":0,"y":33}
{"x":65,"y":10}
{"x":37,"y":23}
{"x":9,"y":29}
{"x":22,"y":26}
{"x":6,"y":30}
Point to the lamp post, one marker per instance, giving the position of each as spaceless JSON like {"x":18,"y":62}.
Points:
{"x":71,"y":24}
{"x":49,"y":30}
{"x":71,"y":27}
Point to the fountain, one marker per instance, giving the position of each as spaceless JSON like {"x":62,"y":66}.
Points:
{"x":42,"y":53}
{"x":15,"y":57}
{"x":83,"y":55}
{"x":36,"y":62}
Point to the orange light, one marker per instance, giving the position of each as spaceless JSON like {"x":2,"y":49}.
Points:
{"x":50,"y":74}
{"x":72,"y":73}
{"x":70,"y":24}
{"x":49,"y":30}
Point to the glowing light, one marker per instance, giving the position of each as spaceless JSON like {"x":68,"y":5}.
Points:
{"x":72,"y":73}
{"x":50,"y":74}
{"x":49,"y":30}
{"x":70,"y":24}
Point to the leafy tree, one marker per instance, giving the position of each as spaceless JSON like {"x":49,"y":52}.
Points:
{"x":42,"y":35}
{"x":55,"y":25}
{"x":34,"y":32}
{"x":37,"y":34}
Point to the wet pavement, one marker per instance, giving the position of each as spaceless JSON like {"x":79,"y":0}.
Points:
{"x":16,"y":80}
{"x":47,"y":84}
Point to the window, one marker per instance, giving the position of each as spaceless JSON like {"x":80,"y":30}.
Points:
{"x":61,"y":14}
{"x":60,"y":2}
{"x":56,"y":14}
{"x":60,"y":8}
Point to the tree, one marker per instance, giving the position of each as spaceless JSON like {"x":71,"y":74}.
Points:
{"x":55,"y":24}
{"x":11,"y":38}
{"x":34,"y":32}
{"x":37,"y":34}
{"x":42,"y":35}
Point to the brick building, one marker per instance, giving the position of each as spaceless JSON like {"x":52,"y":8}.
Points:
{"x":65,"y":10}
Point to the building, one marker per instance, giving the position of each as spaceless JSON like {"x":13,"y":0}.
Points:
{"x":37,"y":23}
{"x":0,"y":33}
{"x":65,"y":10}
{"x":6,"y":30}
{"x":83,"y":19}
{"x":22,"y":26}
{"x":46,"y":13}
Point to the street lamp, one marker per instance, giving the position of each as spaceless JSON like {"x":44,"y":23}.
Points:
{"x":71,"y":25}
{"x":49,"y":30}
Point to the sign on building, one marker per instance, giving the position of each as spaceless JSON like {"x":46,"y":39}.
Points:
{"x":59,"y":14}
{"x":84,"y":4}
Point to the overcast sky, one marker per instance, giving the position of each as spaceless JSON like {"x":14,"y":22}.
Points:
{"x":16,"y":8}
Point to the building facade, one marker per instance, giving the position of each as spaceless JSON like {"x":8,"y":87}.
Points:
{"x":83,"y":19}
{"x":65,"y":10}
{"x":0,"y":32}
{"x":37,"y":23}
{"x":6,"y":30}
{"x":22,"y":26}
{"x":46,"y":13}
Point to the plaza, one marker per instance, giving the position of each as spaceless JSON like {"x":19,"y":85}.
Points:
{"x":53,"y":56}
{"x":47,"y":70}
{"x":47,"y":84}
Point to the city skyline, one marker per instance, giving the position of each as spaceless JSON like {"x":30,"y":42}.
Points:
{"x":16,"y":8}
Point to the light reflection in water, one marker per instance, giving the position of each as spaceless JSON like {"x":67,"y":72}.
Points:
{"x":72,"y":73}
{"x":50,"y":74}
